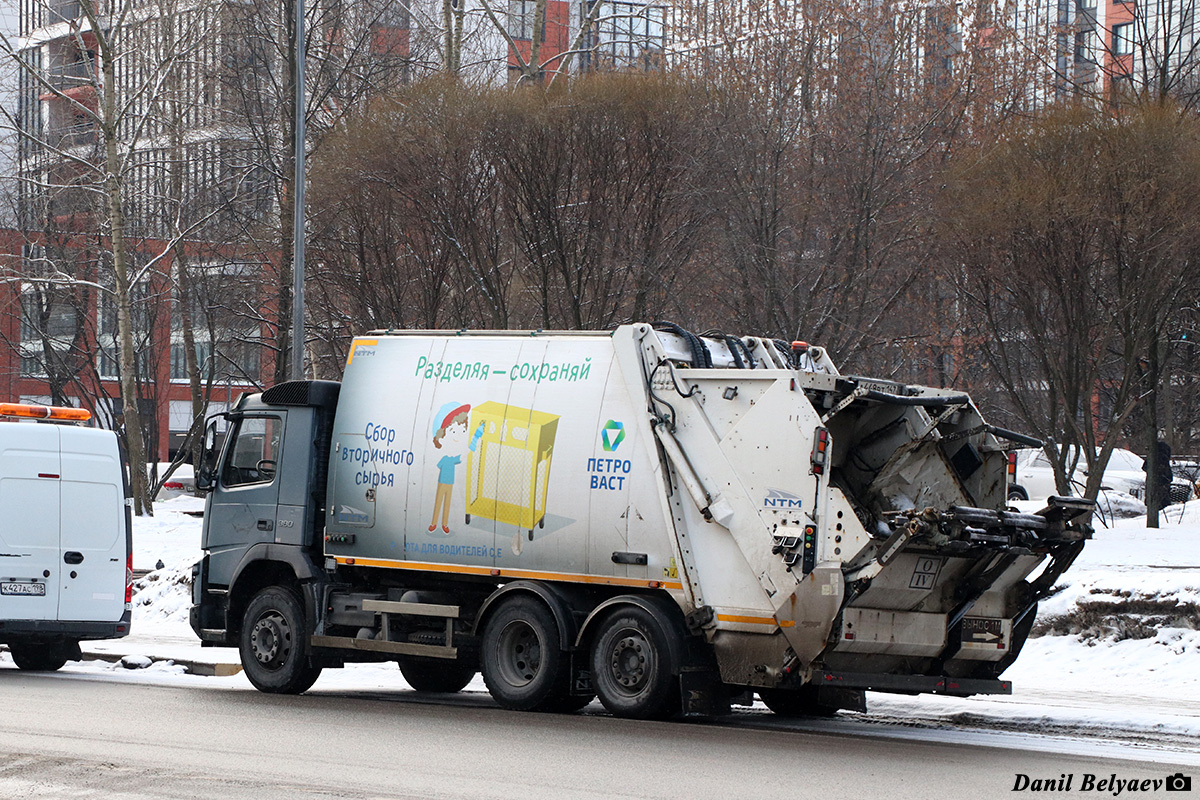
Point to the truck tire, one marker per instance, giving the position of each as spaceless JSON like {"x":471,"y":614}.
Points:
{"x":436,"y":674}
{"x":522,"y":661}
{"x":38,"y":656}
{"x":272,"y":643}
{"x":631,"y":665}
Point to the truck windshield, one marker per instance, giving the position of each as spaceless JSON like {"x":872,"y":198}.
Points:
{"x":254,"y":451}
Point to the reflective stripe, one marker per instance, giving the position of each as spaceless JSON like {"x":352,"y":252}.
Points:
{"x":741,"y":620}
{"x":501,"y":572}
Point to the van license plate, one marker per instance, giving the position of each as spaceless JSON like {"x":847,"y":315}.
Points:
{"x":28,"y":589}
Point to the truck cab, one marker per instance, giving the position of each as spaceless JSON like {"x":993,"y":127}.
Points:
{"x":264,"y":507}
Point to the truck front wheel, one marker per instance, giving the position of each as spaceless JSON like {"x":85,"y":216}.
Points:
{"x":522,"y":660}
{"x":272,"y":643}
{"x":631,"y":666}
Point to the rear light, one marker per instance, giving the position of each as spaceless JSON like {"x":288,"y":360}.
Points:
{"x":129,"y":579}
{"x":1012,"y":466}
{"x":172,"y":485}
{"x":820,"y":451}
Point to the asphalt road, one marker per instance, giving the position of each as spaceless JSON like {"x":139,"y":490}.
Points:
{"x":64,"y":736}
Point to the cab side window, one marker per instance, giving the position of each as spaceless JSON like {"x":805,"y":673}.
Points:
{"x":254,"y":451}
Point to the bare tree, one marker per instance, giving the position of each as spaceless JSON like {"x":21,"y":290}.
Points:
{"x":1075,"y":250}
{"x":832,"y":121}
{"x":107,"y":78}
{"x":351,"y":52}
{"x":1155,"y":54}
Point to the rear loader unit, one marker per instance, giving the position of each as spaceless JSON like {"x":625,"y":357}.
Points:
{"x":670,"y":522}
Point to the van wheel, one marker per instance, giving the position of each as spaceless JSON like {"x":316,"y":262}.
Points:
{"x":38,"y":656}
{"x":631,"y":666}
{"x":272,"y":643}
{"x":436,"y":674}
{"x":522,"y":660}
{"x":1016,"y":492}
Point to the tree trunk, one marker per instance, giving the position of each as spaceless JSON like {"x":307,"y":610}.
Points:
{"x":127,"y":362}
{"x":1155,"y":491}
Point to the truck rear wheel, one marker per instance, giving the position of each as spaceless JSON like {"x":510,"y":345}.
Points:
{"x":39,"y":656}
{"x":631,"y":666}
{"x":436,"y":674}
{"x":523,"y":663}
{"x":272,"y":643}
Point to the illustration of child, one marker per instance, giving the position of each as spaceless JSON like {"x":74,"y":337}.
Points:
{"x":450,"y":435}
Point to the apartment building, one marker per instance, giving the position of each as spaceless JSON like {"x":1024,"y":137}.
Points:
{"x":190,"y":182}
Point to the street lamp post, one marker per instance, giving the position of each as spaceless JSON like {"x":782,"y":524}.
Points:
{"x":297,"y":371}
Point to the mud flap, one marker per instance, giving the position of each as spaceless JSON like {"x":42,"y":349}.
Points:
{"x":702,"y":694}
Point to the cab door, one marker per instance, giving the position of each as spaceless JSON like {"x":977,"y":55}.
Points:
{"x":30,"y":564}
{"x":242,"y":510}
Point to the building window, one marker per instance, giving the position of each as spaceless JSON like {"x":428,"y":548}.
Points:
{"x":107,"y":341}
{"x":632,"y":32}
{"x":520,"y":18}
{"x":1085,"y":45}
{"x":1122,"y":39}
{"x":234,"y":354}
{"x":49,"y":324}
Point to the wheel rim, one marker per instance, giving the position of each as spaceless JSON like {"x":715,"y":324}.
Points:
{"x":631,"y":661}
{"x":271,"y":640}
{"x":519,"y":652}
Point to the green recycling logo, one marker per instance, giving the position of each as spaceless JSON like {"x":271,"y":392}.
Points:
{"x":612,"y":435}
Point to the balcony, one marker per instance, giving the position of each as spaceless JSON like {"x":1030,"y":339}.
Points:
{"x":71,"y":75}
{"x":69,"y":136}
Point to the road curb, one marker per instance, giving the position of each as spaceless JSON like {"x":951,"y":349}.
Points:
{"x":207,"y":669}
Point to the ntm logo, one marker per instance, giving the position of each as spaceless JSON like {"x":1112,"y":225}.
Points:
{"x":777,"y":498}
{"x":611,"y":435}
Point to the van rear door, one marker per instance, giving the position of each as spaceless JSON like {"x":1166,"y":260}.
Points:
{"x":94,"y":538}
{"x":30,"y":564}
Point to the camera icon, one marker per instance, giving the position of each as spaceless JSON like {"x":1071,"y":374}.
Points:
{"x":1179,"y":782}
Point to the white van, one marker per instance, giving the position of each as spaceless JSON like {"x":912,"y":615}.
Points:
{"x":66,"y":546}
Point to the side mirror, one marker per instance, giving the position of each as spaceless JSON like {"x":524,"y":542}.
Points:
{"x":206,"y":474}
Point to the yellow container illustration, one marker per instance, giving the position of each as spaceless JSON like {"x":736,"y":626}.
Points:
{"x":509,"y":472}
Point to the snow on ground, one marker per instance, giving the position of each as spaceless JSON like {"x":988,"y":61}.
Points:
{"x":1098,"y":682}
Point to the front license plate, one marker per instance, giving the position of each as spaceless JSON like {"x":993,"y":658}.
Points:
{"x":27,"y":589}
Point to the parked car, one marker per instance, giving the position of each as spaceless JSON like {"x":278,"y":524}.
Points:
{"x":1034,"y":477}
{"x":182,"y":481}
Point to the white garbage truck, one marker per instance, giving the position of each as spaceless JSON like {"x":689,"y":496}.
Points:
{"x":668,"y":521}
{"x":66,"y":546}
